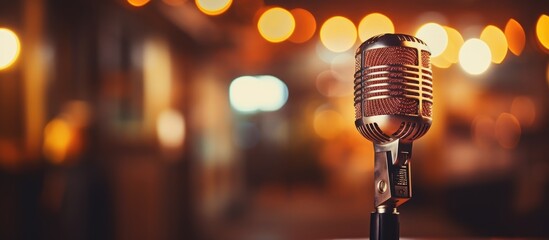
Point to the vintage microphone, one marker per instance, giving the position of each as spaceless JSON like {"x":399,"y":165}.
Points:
{"x":393,"y":107}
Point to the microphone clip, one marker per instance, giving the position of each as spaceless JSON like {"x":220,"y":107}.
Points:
{"x":392,"y":178}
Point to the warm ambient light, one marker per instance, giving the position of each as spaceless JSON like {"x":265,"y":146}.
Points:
{"x":57,"y":139}
{"x":305,"y":25}
{"x":276,"y":24}
{"x":507,"y":130}
{"x":257,"y":93}
{"x":213,"y":7}
{"x":170,"y":128}
{"x":515,"y":35}
{"x":435,"y":36}
{"x":524,"y":109}
{"x":338,"y":34}
{"x":138,"y":3}
{"x":328,"y":123}
{"x":9,"y":48}
{"x":174,"y":2}
{"x":475,"y":56}
{"x":542,"y":31}
{"x":374,"y":24}
{"x":495,"y":38}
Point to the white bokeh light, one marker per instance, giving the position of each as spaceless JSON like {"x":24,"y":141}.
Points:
{"x":257,"y":93}
{"x":435,"y":36}
{"x":9,"y":47}
{"x":170,"y":128}
{"x":475,"y":56}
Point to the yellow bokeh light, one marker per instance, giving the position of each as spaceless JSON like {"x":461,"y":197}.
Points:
{"x":213,"y":7}
{"x":515,"y":35}
{"x":495,"y":38}
{"x":338,"y":34}
{"x":374,"y":24}
{"x":450,"y":54}
{"x":455,"y":40}
{"x":170,"y":128}
{"x":276,"y":24}
{"x":542,"y":31}
{"x":138,"y":3}
{"x":435,"y":36}
{"x":57,"y":139}
{"x":305,"y":25}
{"x":9,"y":48}
{"x":475,"y":56}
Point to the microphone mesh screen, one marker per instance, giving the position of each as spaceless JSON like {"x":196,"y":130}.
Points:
{"x":396,"y":104}
{"x":425,"y":59}
{"x":391,"y":56}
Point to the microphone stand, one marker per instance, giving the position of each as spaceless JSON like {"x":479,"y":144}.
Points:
{"x":393,"y":187}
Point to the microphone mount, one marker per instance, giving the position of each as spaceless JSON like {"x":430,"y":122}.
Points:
{"x":393,"y":187}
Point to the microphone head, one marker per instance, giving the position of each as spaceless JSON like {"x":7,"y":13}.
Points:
{"x":393,"y":88}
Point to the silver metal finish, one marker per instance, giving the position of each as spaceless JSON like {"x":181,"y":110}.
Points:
{"x":393,"y":107}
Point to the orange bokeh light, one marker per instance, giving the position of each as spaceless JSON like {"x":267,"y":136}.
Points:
{"x":305,"y":25}
{"x":516,"y":38}
{"x":138,"y":3}
{"x":507,"y":130}
{"x":524,"y":109}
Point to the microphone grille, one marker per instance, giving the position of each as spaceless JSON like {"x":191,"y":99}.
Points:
{"x":393,"y":77}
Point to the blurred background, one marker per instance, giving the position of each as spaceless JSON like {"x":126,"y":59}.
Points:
{"x":221,"y":119}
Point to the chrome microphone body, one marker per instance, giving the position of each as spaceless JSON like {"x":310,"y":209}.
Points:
{"x":393,"y":101}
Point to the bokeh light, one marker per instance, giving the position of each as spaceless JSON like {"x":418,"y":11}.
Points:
{"x":495,"y":38}
{"x":343,"y":67}
{"x":305,"y":25}
{"x":261,"y":93}
{"x":475,"y":56}
{"x":9,"y":48}
{"x":450,"y":54}
{"x":374,"y":24}
{"x":213,"y":7}
{"x":338,"y":34}
{"x":515,"y":35}
{"x":455,"y":40}
{"x":276,"y":24}
{"x":507,"y":130}
{"x":57,"y":139}
{"x":483,"y":131}
{"x":170,"y":128}
{"x":327,"y":84}
{"x":542,"y":31}
{"x":328,"y":123}
{"x":524,"y":109}
{"x":138,"y":3}
{"x":435,"y":36}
